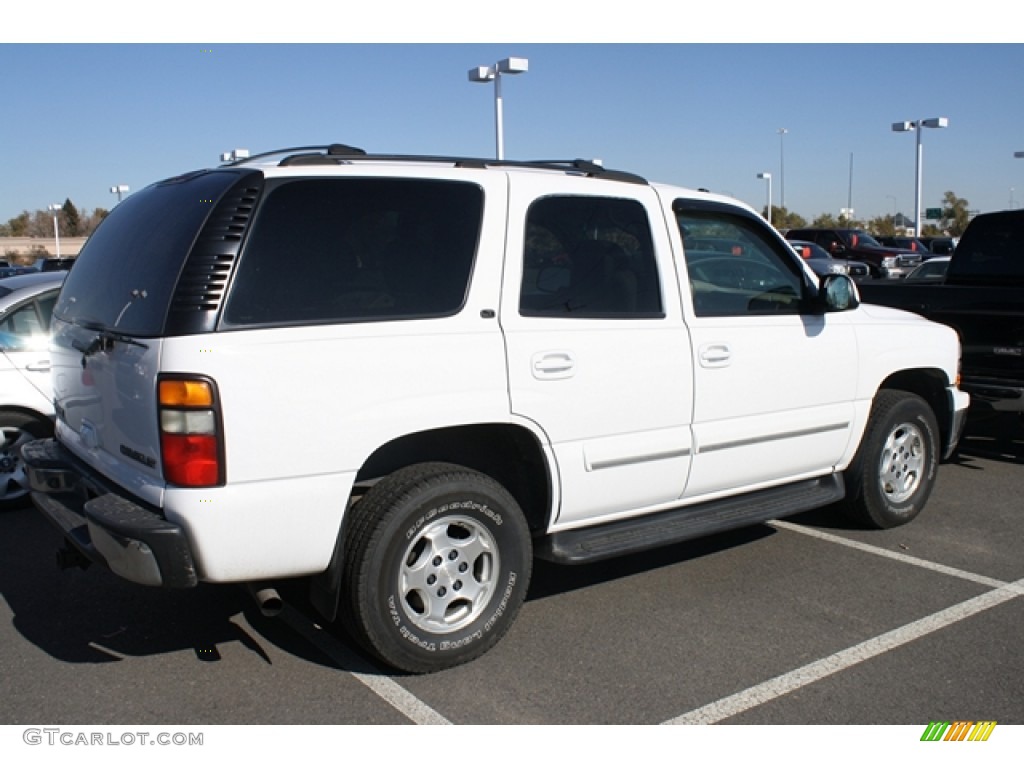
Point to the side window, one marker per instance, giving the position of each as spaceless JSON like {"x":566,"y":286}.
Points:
{"x":589,"y":257}
{"x":344,"y":250}
{"x":735,"y":265}
{"x":27,"y":326}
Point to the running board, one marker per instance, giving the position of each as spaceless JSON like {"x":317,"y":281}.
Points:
{"x":638,"y":534}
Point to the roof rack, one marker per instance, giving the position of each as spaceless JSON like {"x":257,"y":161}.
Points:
{"x":343,"y":153}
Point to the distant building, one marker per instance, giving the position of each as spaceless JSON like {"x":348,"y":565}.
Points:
{"x":904,"y":226}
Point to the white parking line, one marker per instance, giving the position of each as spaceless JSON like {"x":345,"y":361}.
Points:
{"x":386,"y":688}
{"x":811,"y":673}
{"x":996,"y":583}
{"x":783,"y":684}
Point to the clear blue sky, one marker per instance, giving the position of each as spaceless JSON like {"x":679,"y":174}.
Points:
{"x":79,"y":118}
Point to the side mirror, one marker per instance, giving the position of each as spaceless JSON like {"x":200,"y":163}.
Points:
{"x":837,"y":293}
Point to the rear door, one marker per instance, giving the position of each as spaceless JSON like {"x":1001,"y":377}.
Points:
{"x":598,"y":355}
{"x":24,"y":342}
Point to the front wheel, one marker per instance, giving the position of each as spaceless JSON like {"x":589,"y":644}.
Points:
{"x":893,"y":474}
{"x":437,"y":564}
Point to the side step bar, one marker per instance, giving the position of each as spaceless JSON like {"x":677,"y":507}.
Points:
{"x":638,"y":534}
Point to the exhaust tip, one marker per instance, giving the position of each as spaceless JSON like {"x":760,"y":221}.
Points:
{"x":267,"y":600}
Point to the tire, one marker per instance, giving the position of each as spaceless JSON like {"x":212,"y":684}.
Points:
{"x":437,"y":561}
{"x":16,"y":429}
{"x":893,"y":473}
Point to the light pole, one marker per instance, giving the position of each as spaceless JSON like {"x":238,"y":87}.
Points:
{"x":119,"y":189}
{"x":55,"y":209}
{"x":511,"y":66}
{"x":782,"y":166}
{"x":912,"y":125}
{"x":768,"y":177}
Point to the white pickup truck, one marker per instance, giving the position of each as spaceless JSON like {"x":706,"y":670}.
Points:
{"x":406,"y":377}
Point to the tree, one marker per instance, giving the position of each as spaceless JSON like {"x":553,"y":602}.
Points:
{"x":72,"y":221}
{"x":18,"y":226}
{"x":882,"y":225}
{"x":954,"y":214}
{"x":783,"y":219}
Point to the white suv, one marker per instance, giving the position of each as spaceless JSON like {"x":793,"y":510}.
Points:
{"x":404,"y":377}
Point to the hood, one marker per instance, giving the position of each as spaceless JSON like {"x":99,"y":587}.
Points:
{"x":889,"y":315}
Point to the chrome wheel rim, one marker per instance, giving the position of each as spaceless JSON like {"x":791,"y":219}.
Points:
{"x":902,"y":463}
{"x":448,"y":574}
{"x":13,"y":480}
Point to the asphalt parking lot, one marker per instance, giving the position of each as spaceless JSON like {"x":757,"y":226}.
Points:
{"x":804,"y":621}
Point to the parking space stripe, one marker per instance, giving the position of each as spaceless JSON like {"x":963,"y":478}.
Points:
{"x":837,"y":662}
{"x":382,"y":685}
{"x":910,"y":560}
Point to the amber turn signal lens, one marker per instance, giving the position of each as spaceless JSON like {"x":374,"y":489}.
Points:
{"x":186,"y":392}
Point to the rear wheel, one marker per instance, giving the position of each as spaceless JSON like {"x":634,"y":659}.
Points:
{"x":894,"y":471}
{"x":16,"y":429}
{"x":437,"y":563}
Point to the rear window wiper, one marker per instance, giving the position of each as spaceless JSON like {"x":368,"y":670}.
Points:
{"x":103,"y":341}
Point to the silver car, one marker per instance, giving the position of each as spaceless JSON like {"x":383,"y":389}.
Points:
{"x":26,"y":395}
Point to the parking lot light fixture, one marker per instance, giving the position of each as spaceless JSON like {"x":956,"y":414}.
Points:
{"x":912,"y":125}
{"x":55,"y":209}
{"x":119,"y":190}
{"x":768,"y":177}
{"x":234,"y":155}
{"x":510,"y":66}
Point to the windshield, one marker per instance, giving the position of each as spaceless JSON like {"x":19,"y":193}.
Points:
{"x":863,"y":238}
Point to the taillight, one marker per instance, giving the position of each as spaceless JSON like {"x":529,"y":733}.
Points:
{"x":191,"y":443}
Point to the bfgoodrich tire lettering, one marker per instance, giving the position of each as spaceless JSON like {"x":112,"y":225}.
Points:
{"x":893,"y":473}
{"x":437,"y":563}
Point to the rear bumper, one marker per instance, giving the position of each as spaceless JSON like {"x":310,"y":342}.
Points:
{"x":112,"y":530}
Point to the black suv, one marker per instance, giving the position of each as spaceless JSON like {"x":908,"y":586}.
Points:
{"x":856,"y":244}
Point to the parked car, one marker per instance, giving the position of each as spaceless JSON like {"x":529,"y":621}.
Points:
{"x":882,"y":260}
{"x":823,"y":263}
{"x":472,"y":363}
{"x":932,"y":271}
{"x":940,"y":246}
{"x":981,"y":297}
{"x":12,"y":271}
{"x":915,"y":244}
{"x":26,"y":394}
{"x":55,"y":265}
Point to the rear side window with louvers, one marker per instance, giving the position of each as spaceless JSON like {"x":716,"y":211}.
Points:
{"x":356,"y":249}
{"x":163,"y":251}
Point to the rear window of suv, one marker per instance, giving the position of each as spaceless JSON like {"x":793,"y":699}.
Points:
{"x":125,"y":274}
{"x":339,"y":250}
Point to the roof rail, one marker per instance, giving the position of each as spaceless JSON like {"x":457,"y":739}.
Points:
{"x":343,"y":153}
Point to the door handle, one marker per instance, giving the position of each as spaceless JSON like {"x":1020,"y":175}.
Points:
{"x":553,"y":365}
{"x":41,"y":365}
{"x":715,"y":355}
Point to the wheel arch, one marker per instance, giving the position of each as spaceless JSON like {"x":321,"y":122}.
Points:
{"x":508,"y":453}
{"x":28,"y":412}
{"x":929,"y":384}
